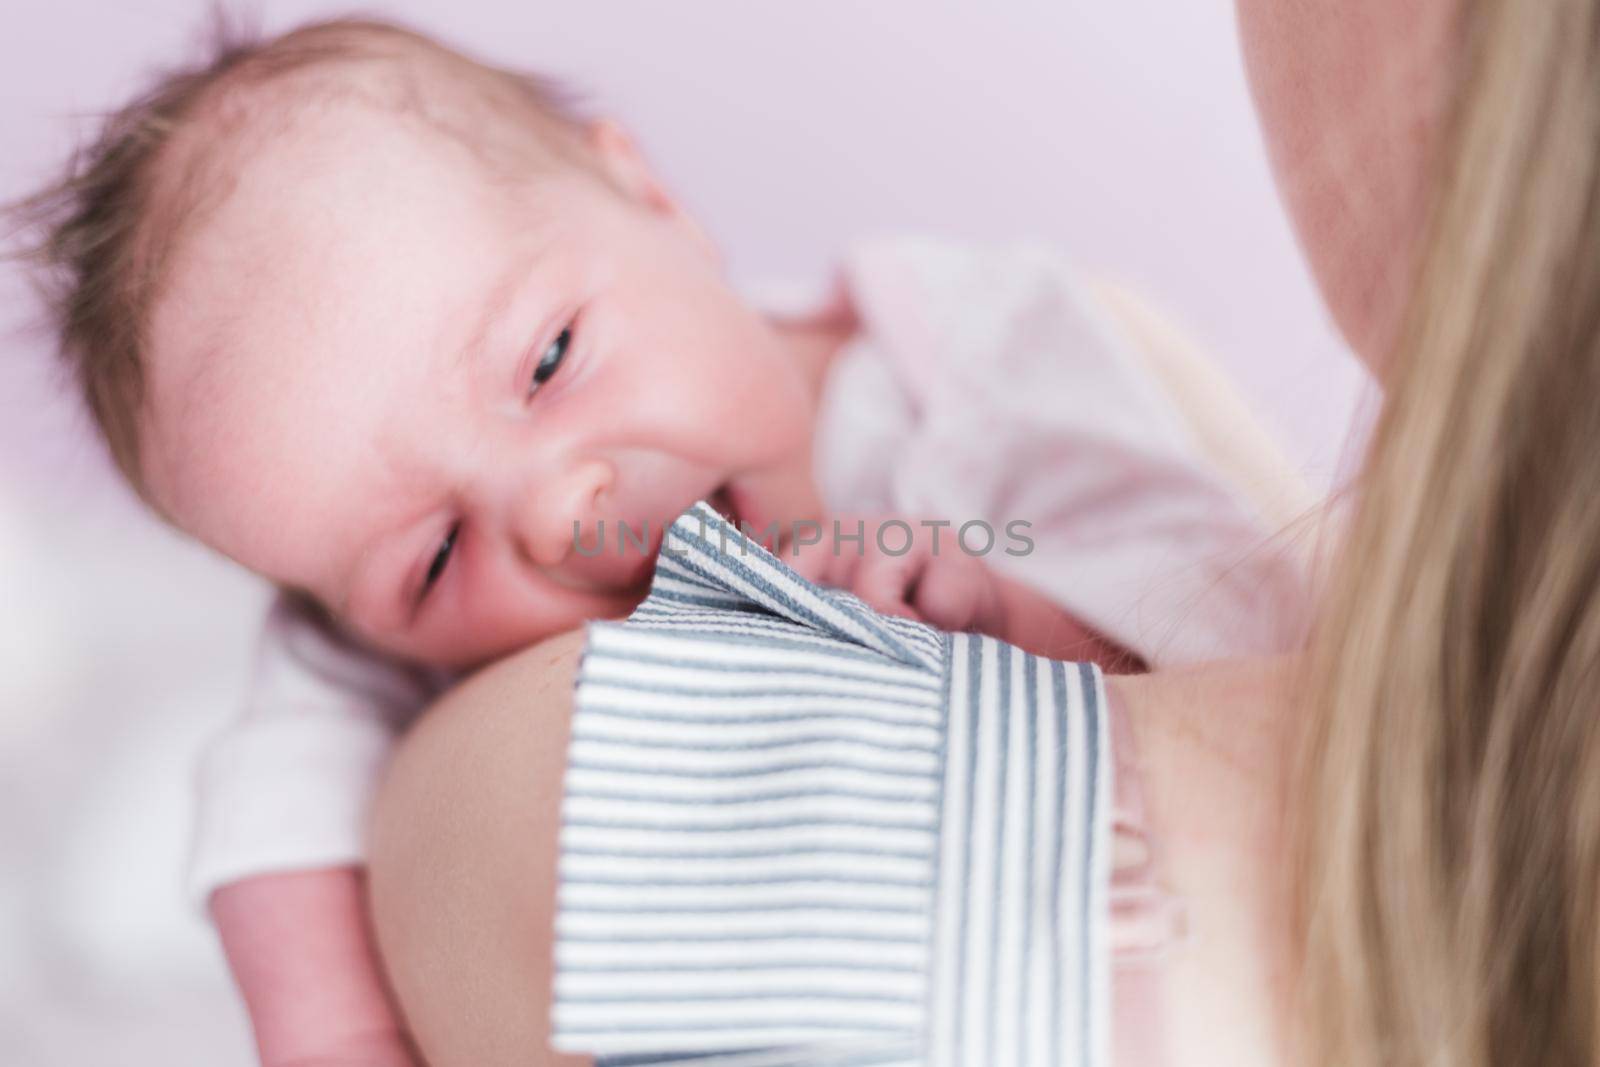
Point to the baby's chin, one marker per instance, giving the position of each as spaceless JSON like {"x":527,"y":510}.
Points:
{"x":610,"y":592}
{"x":465,"y":651}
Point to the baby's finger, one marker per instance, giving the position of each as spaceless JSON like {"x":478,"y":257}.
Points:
{"x":834,"y":563}
{"x":811,"y":562}
{"x":845,"y":559}
{"x":883,"y":582}
{"x":950,"y":595}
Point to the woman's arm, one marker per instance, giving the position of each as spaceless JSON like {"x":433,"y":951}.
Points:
{"x":463,"y":859}
{"x":464,"y":869}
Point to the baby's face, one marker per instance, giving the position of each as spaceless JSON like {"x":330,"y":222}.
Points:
{"x":383,"y":377}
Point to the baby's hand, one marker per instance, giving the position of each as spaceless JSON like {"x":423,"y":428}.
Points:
{"x":902,"y":567}
{"x":938,"y":582}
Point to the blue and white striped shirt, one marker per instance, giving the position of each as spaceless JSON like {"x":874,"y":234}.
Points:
{"x":796,"y":831}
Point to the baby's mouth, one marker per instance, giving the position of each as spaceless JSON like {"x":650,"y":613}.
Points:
{"x":742,"y":507}
{"x":610,"y":577}
{"x":721,"y":500}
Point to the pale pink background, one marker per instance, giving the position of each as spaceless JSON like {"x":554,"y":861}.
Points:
{"x":1120,"y":130}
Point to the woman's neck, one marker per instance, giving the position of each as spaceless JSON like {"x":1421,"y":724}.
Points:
{"x":1213,"y":748}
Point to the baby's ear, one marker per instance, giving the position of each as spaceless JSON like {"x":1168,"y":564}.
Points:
{"x":626,"y":168}
{"x":624,"y":165}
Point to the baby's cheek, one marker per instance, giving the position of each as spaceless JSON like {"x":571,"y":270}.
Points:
{"x":473,"y":626}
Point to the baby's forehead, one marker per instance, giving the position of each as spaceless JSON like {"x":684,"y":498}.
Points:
{"x":341,"y":181}
{"x":262,"y":128}
{"x":269,"y":174}
{"x":265,"y":138}
{"x":371,"y":81}
{"x":300,"y":213}
{"x":307,"y":137}
{"x":312,"y":232}
{"x":323,"y":147}
{"x":285,"y":279}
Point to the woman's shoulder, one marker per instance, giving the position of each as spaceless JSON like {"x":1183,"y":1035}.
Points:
{"x":507,"y":713}
{"x":544,"y":669}
{"x":463,"y":848}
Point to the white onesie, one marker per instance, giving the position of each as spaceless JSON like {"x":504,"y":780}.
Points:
{"x":986,"y":383}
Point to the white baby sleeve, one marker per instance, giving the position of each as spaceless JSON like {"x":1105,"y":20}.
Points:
{"x":286,"y":785}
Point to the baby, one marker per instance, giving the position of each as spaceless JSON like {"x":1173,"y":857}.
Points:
{"x":405,"y":335}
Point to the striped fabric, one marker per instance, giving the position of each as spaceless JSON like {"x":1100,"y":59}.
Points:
{"x":799,"y":832}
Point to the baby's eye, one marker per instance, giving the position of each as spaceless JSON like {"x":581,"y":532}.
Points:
{"x":551,"y":360}
{"x":441,"y":559}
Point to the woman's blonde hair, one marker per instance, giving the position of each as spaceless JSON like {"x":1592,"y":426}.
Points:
{"x":1449,"y":854}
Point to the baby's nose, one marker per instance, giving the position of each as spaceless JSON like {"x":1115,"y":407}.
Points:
{"x":553,"y":516}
